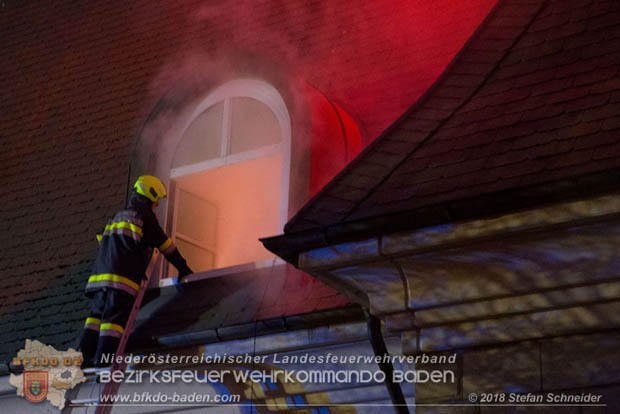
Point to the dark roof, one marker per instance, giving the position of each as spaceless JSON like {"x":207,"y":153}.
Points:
{"x":234,"y":299}
{"x":533,"y":98}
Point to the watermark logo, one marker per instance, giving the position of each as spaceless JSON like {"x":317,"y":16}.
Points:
{"x":35,"y":385}
{"x":48,"y":373}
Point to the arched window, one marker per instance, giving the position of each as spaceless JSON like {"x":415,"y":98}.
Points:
{"x":229,"y":176}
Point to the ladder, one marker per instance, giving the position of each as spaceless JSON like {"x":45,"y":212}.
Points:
{"x":111,"y":388}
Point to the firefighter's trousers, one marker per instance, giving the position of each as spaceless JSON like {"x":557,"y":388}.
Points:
{"x":109,"y":312}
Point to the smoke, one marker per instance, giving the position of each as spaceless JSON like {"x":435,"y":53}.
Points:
{"x":361,"y":54}
{"x":370,"y":58}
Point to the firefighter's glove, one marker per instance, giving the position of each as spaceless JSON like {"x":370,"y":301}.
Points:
{"x":177,"y":285}
{"x":179,"y":262}
{"x":183,"y":272}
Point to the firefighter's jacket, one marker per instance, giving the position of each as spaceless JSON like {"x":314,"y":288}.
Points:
{"x":126,"y":247}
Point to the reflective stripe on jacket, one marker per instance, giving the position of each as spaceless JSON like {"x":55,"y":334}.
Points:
{"x":113,"y":281}
{"x":126,"y":247}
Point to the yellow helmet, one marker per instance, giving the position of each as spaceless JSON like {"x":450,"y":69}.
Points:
{"x":150,"y":187}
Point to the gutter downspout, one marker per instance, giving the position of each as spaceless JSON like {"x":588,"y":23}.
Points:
{"x":378,"y":345}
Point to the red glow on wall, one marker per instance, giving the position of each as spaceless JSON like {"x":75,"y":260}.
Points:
{"x":336,"y":139}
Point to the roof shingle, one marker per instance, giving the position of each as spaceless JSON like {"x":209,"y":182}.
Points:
{"x":533,"y":97}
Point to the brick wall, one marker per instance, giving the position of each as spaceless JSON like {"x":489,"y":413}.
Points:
{"x":77,"y":81}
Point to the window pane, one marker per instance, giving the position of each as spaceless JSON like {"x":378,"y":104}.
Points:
{"x":247,"y":198}
{"x":196,"y":218}
{"x":202,"y":139}
{"x":253,"y":125}
{"x":198,"y":259}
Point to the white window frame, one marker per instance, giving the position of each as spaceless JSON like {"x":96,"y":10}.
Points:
{"x":240,"y":88}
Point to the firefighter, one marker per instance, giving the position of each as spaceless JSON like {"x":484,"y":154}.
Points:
{"x":125,"y":250}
